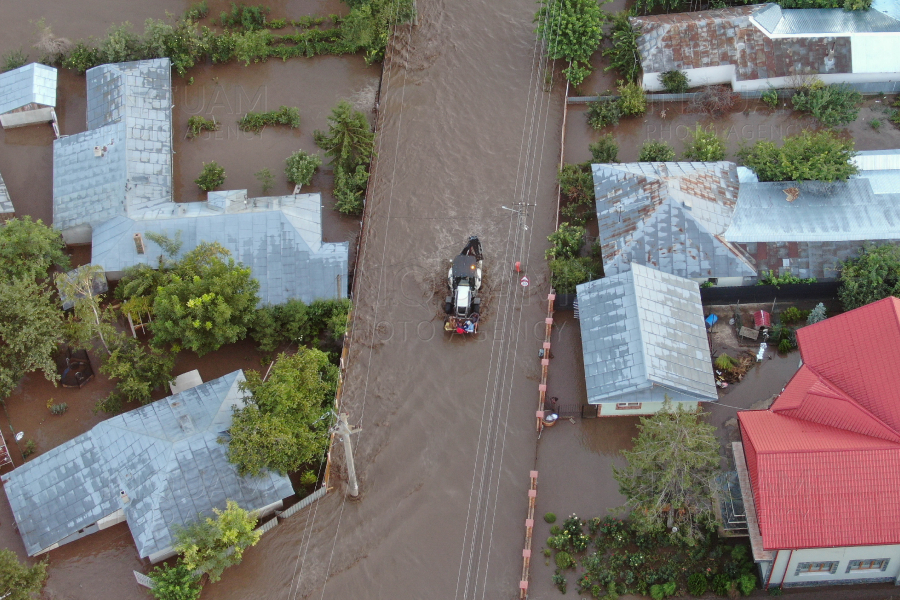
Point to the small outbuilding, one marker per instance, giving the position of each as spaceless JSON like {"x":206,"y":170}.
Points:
{"x":643,"y":339}
{"x":27,"y":96}
{"x":762,"y":318}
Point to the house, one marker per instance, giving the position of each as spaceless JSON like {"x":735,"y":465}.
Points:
{"x":27,"y":96}
{"x":112,"y":186}
{"x":643,"y":339}
{"x":820,"y":469}
{"x":716,"y":222}
{"x":6,"y":206}
{"x":157,"y":467}
{"x":761,"y":46}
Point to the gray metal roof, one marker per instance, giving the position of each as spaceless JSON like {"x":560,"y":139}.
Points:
{"x":34,"y":83}
{"x":6,"y":205}
{"x":841,"y":211}
{"x":279,"y":238}
{"x":668,"y":216}
{"x":643,"y":337}
{"x":823,"y":21}
{"x":165,"y":456}
{"x":123,"y":163}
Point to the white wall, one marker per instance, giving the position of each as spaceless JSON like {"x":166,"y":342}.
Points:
{"x":696,"y":77}
{"x":113,"y":519}
{"x":722,"y":281}
{"x":788,"y":578}
{"x":608,"y":409}
{"x":26,"y":117}
{"x":725,"y":74}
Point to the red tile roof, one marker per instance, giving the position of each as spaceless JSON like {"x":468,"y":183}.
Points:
{"x":824,"y":460}
{"x":762,"y":319}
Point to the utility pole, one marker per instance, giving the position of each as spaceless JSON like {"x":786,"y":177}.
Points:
{"x":344,"y":430}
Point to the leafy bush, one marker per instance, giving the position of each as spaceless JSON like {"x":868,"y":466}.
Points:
{"x":288,"y":116}
{"x":793,"y":314}
{"x":747,"y":583}
{"x":604,"y":150}
{"x":174,"y":582}
{"x":721,"y":584}
{"x":697,"y":584}
{"x":725,"y":362}
{"x":197,"y":11}
{"x":13,"y":60}
{"x":137,"y":371}
{"x":265,"y":178}
{"x":832,"y":105}
{"x":704,"y":146}
{"x":870,"y":276}
{"x":211,"y":177}
{"x":566,"y":241}
{"x":59,"y":409}
{"x":350,"y":143}
{"x":785,"y":346}
{"x":572,"y":30}
{"x":301,"y":166}
{"x":81,"y":57}
{"x":622,"y":50}
{"x":845,"y":4}
{"x":787,"y":278}
{"x":770,"y":97}
{"x":560,"y":581}
{"x":662,"y":590}
{"x":564,"y":560}
{"x":550,"y":517}
{"x":555,"y":530}
{"x":602,"y":113}
{"x":567,"y":273}
{"x":30,"y":448}
{"x":211,"y":545}
{"x":674,"y":82}
{"x":632,"y":99}
{"x":249,"y":18}
{"x":198,"y":124}
{"x":576,"y":184}
{"x":656,"y":151}
{"x":875,"y":124}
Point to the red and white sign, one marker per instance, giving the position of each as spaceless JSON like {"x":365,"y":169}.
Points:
{"x":524,"y":281}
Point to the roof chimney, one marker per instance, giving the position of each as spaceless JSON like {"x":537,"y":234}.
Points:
{"x":139,"y":243}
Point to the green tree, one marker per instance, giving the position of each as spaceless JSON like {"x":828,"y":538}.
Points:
{"x":704,"y":146}
{"x":674,"y":81}
{"x":301,"y":166}
{"x":819,"y":313}
{"x":28,"y":248}
{"x":668,"y":473}
{"x":566,"y":241}
{"x":808,"y":156}
{"x":281,"y":425}
{"x":211,"y":176}
{"x":368,"y":26}
{"x":632,"y":99}
{"x":872,"y":275}
{"x":349,"y":140}
{"x":567,"y":273}
{"x":89,"y":319}
{"x":622,"y":50}
{"x":30,"y":330}
{"x":137,"y":371}
{"x":211,"y":545}
{"x":174,"y":582}
{"x":572,"y":29}
{"x":17,"y":581}
{"x":207,"y":301}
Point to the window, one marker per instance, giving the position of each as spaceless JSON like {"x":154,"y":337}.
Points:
{"x":628,"y":405}
{"x":872,"y":564}
{"x":816,"y":568}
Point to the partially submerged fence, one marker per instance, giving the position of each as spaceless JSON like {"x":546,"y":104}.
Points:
{"x":751,"y":294}
{"x":529,"y":535}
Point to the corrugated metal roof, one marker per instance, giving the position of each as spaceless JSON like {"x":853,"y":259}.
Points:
{"x":165,"y":456}
{"x":841,"y":211}
{"x":825,"y":21}
{"x":123,"y":163}
{"x":33,"y":83}
{"x":667,"y":215}
{"x":642,"y":332}
{"x":826,"y":456}
{"x":280,"y":239}
{"x":6,"y":205}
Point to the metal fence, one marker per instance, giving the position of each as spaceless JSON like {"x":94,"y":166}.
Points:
{"x":750,"y":294}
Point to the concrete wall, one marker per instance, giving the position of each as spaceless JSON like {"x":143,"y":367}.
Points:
{"x":608,"y":409}
{"x":113,"y":519}
{"x":696,"y":77}
{"x":784,"y":571}
{"x":28,"y":117}
{"x":726,"y":75}
{"x":722,"y":281}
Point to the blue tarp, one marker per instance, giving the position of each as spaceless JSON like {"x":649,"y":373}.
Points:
{"x":711,"y":320}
